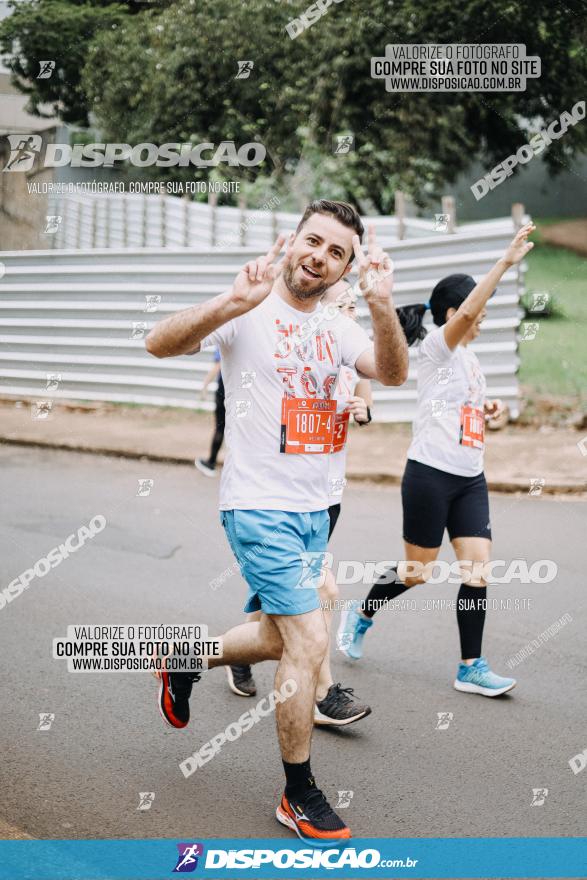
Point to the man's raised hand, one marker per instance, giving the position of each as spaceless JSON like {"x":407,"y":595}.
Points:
{"x":255,"y":280}
{"x":375,"y":269}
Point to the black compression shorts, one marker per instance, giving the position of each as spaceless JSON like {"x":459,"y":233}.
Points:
{"x":333,"y":513}
{"x":434,"y":501}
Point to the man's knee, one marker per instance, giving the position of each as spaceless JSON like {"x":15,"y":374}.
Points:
{"x":306,"y":642}
{"x":271,"y":637}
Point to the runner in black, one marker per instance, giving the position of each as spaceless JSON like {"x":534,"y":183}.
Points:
{"x":207,"y":466}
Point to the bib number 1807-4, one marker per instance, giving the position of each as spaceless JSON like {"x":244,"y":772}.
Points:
{"x":307,"y":425}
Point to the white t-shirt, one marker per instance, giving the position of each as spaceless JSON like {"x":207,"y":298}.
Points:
{"x":447,"y":380}
{"x":257,"y":367}
{"x":344,"y":388}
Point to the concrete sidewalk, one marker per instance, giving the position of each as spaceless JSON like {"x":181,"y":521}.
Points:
{"x":515,"y":456}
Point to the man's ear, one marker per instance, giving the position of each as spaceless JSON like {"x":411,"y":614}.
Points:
{"x":347,"y":269}
{"x":292,"y":238}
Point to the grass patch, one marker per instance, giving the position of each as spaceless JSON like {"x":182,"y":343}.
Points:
{"x":554,"y":362}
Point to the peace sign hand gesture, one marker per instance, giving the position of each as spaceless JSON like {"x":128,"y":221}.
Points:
{"x":255,"y":280}
{"x":375,"y":270}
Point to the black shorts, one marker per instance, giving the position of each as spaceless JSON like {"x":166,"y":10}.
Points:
{"x":434,"y":501}
{"x":333,"y":513}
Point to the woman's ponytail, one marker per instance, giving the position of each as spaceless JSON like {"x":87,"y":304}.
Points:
{"x":411,"y":318}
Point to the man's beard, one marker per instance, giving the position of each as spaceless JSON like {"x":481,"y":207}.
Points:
{"x":300,"y":293}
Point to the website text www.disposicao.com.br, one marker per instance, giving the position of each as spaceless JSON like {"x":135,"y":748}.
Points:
{"x":329,"y":859}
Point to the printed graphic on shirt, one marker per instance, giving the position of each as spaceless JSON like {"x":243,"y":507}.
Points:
{"x":307,"y":412}
{"x":299,"y":378}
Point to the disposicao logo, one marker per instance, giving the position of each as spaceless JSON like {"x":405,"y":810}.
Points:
{"x":187,"y":860}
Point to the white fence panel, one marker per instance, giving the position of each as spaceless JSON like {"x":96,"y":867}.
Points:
{"x":81,"y":314}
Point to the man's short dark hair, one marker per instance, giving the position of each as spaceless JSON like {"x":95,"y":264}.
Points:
{"x":341,"y":211}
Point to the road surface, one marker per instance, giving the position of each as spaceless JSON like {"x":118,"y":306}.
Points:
{"x":154,"y":562}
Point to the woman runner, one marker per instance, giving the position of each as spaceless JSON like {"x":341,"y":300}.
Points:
{"x":444,"y":485}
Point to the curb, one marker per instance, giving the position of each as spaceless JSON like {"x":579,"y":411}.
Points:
{"x":381,"y":478}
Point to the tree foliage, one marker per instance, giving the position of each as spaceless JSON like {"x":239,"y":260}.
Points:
{"x":168,"y":73}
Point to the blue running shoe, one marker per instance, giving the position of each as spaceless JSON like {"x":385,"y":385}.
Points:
{"x":351,"y":631}
{"x":479,"y":679}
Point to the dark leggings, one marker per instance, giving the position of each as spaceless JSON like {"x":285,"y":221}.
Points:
{"x":220,"y":417}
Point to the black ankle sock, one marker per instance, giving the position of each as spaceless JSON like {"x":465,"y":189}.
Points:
{"x":298,"y":778}
{"x":471,"y":603}
{"x":386,"y":588}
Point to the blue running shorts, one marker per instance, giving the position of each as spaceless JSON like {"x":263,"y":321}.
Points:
{"x":280,"y":555}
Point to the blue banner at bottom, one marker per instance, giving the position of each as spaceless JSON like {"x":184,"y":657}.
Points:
{"x":384,"y":858}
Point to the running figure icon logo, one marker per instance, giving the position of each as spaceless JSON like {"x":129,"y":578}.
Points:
{"x":539,"y":795}
{"x":336,"y":485}
{"x":152,"y":301}
{"x":344,"y":640}
{"x":438,"y":407}
{"x":46,"y":68}
{"x":244,"y":69}
{"x":444,"y":719}
{"x":313,"y":561}
{"x":443,"y":375}
{"x":529,"y":331}
{"x":24,"y":149}
{"x":53,"y":381}
{"x":242,"y":408}
{"x":343,"y":143}
{"x":344,"y":799}
{"x":187,"y":860}
{"x":540,"y":301}
{"x":146,"y":799}
{"x":41,"y":409}
{"x":46,"y":719}
{"x":52,"y":224}
{"x":536,"y":486}
{"x":441,"y":222}
{"x":145,"y":487}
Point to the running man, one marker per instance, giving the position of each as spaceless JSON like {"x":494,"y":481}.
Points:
{"x":444,"y":485}
{"x":274,"y":484}
{"x":335,"y":706}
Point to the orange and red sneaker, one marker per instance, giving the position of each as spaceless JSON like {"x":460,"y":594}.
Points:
{"x":175,"y":689}
{"x":312,"y":818}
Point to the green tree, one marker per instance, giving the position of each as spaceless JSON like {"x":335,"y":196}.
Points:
{"x":61,"y":31}
{"x":169,"y":74}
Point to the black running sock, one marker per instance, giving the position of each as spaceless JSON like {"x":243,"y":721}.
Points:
{"x":471,"y":603}
{"x":298,"y":779}
{"x":387,"y":587}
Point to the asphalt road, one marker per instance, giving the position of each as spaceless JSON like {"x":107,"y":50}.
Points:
{"x":154,"y":562}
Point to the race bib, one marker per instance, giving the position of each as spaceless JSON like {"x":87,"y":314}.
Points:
{"x":472,"y":431}
{"x":307,"y":425}
{"x":341,"y":429}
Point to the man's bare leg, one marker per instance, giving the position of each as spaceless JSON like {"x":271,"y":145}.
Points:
{"x":305,"y":641}
{"x":328,"y":596}
{"x":299,"y":642}
{"x":250,"y":642}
